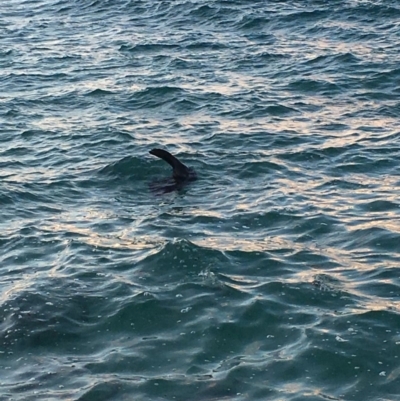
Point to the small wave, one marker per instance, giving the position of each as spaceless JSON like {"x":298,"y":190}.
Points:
{"x":205,"y":45}
{"x":305,"y":16}
{"x":204,"y":11}
{"x":315,"y":86}
{"x":360,"y":164}
{"x":331,"y":62}
{"x":374,"y":238}
{"x":156,"y":95}
{"x":252,"y":22}
{"x":99,"y":92}
{"x":379,"y":206}
{"x":126,"y":167}
{"x":261,"y":60}
{"x":153,"y":48}
{"x":281,"y":110}
{"x":383,"y":80}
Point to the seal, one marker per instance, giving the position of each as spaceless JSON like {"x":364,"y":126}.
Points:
{"x":180,"y":173}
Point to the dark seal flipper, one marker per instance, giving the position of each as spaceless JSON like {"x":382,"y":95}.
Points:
{"x":180,"y":171}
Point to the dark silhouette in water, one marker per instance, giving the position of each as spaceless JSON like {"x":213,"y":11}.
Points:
{"x":181,"y":174}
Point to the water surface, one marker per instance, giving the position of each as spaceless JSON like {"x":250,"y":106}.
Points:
{"x":274,"y":276}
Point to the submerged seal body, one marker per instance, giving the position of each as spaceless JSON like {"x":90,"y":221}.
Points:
{"x":181,"y":174}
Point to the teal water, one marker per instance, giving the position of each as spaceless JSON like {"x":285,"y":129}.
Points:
{"x":275,"y":275}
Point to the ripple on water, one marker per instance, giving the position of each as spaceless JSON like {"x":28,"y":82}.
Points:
{"x":274,"y":275}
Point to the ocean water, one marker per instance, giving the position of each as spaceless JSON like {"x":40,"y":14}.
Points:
{"x":275,"y":275}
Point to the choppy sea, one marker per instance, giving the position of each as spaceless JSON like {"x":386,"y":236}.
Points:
{"x":274,"y":276}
